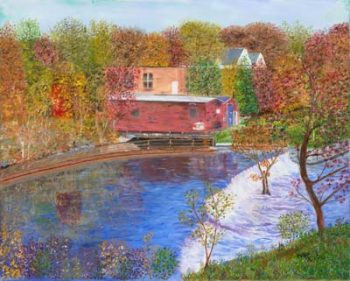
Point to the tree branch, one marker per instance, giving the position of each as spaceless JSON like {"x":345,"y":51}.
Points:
{"x":331,"y":195}
{"x":329,"y":174}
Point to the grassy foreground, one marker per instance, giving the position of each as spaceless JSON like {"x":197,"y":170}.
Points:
{"x":305,"y":258}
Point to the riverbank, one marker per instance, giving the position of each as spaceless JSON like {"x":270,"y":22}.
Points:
{"x":64,"y":161}
{"x":306,"y":258}
{"x":252,"y":222}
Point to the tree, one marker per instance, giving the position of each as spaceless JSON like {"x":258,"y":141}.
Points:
{"x":297,"y":34}
{"x":120,"y":83}
{"x":233,"y":36}
{"x":155,"y":51}
{"x":28,"y":30}
{"x":293,"y":225}
{"x":72,"y":40}
{"x":263,"y":145}
{"x":12,"y":76}
{"x":228,"y":79}
{"x":206,"y":216}
{"x":266,"y":95}
{"x":100,"y":43}
{"x":320,"y":128}
{"x":127,"y":46}
{"x":265,"y":38}
{"x":204,"y":78}
{"x":244,"y":91}
{"x":101,"y":51}
{"x":201,"y":40}
{"x":45,"y":51}
{"x":176,"y":49}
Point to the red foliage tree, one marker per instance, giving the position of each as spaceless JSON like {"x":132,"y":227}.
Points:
{"x":176,"y":47}
{"x":321,"y":127}
{"x":45,"y":51}
{"x":266,"y":96}
{"x":120,"y":83}
{"x":233,"y":36}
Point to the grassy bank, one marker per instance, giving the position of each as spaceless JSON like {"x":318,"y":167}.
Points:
{"x":224,"y":136}
{"x":306,"y":258}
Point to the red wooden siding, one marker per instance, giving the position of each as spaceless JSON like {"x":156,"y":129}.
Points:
{"x":174,"y":117}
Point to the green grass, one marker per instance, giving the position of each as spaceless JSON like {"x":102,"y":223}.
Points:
{"x":224,"y":136}
{"x":305,"y":258}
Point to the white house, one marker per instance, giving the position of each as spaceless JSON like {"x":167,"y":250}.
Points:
{"x":240,"y":56}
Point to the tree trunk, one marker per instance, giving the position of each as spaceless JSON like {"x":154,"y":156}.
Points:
{"x":309,"y":185}
{"x":265,"y":184}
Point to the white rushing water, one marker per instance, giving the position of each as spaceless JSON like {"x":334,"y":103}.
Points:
{"x":253,"y":220}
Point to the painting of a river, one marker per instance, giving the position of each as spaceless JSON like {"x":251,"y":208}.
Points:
{"x":178,"y":140}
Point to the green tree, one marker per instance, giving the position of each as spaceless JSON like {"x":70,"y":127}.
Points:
{"x":204,"y":78}
{"x":100,"y":43}
{"x":199,"y":212}
{"x":244,"y":91}
{"x":297,"y":34}
{"x":292,"y":225}
{"x":72,"y":39}
{"x":201,"y":40}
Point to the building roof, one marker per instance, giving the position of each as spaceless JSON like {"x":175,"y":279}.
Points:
{"x":172,"y":98}
{"x":231,"y":55}
{"x":176,"y":98}
{"x":254,"y":57}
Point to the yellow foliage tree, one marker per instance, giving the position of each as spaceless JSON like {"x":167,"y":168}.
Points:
{"x":201,"y":40}
{"x":228,"y":76}
{"x":10,"y":253}
{"x":156,"y":51}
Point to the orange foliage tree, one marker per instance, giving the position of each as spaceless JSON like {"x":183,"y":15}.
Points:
{"x":12,"y":77}
{"x":155,"y":52}
{"x":128,"y":46}
{"x":260,"y":143}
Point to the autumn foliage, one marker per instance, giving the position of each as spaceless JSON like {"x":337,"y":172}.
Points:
{"x":265,"y":38}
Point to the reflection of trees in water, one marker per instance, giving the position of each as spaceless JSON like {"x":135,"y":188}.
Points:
{"x":163,"y":169}
{"x":68,"y":205}
{"x":203,"y":167}
{"x":107,"y":192}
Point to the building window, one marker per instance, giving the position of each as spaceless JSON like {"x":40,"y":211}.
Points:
{"x":193,"y":112}
{"x":135,"y":113}
{"x":148,"y":81}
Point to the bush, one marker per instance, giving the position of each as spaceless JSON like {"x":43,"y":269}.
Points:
{"x":164,"y":263}
{"x":292,"y":225}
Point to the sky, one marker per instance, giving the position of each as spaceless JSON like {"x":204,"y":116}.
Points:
{"x":155,"y":15}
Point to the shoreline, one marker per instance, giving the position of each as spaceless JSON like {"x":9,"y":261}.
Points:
{"x":27,"y":171}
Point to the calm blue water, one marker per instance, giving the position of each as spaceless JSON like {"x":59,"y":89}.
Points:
{"x":120,"y":200}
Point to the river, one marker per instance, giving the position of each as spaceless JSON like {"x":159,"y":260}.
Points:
{"x":124,"y":200}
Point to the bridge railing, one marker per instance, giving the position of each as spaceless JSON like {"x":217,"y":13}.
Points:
{"x":172,"y":143}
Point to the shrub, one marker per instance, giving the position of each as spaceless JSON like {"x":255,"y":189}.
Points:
{"x":164,"y":263}
{"x":292,"y":225}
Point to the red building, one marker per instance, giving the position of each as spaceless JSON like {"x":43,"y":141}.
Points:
{"x":178,"y":114}
{"x":162,"y":80}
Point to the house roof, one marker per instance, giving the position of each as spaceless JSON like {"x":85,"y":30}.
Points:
{"x":254,"y":57}
{"x":231,"y":55}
